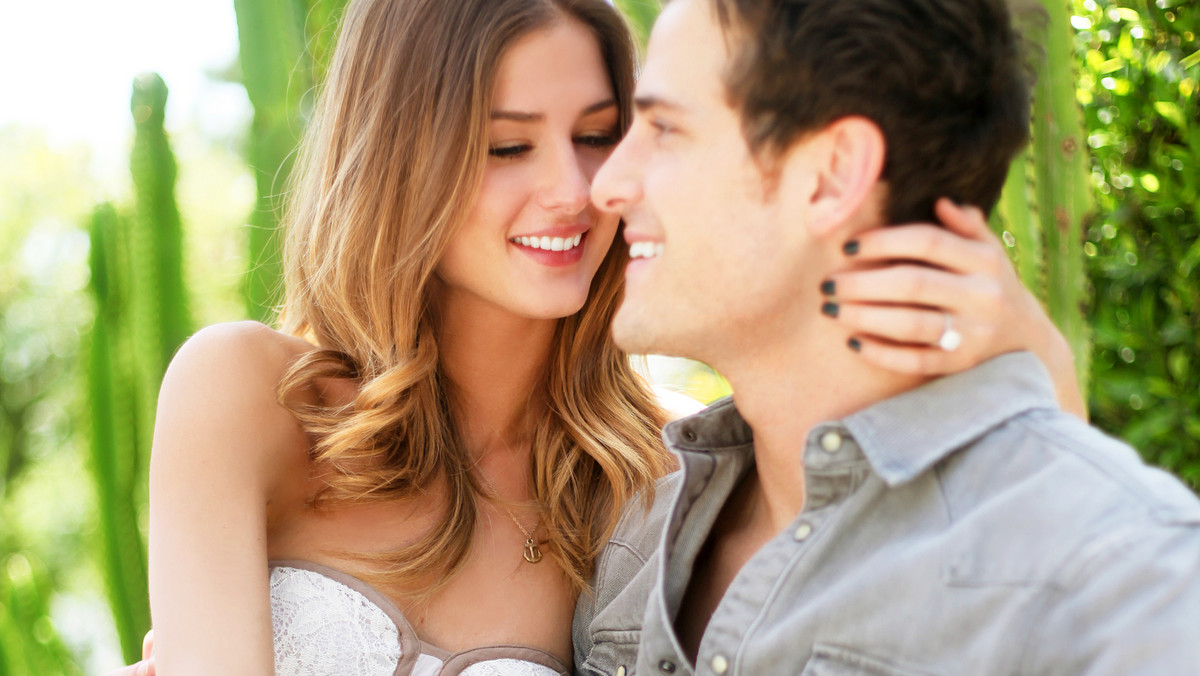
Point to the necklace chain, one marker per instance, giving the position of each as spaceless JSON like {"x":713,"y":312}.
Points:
{"x":532,"y":552}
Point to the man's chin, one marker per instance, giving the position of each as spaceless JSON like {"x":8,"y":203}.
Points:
{"x":631,"y":333}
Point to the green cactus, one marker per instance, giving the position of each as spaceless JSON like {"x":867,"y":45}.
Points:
{"x":1047,"y":231}
{"x":285,"y":47}
{"x":159,"y":299}
{"x":141,"y":319}
{"x":1064,"y":194}
{"x":115,"y":414}
{"x":272,"y":40}
{"x":1015,"y":216}
{"x":641,"y":15}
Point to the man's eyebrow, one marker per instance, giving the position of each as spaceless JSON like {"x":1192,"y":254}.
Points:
{"x":520,"y":116}
{"x":644,"y":104}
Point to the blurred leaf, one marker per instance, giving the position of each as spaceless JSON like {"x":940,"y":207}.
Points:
{"x":1170,"y":111}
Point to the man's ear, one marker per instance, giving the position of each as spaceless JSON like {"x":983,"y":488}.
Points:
{"x":844,"y":162}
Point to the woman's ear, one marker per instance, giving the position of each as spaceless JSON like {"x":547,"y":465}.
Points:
{"x":840,"y":165}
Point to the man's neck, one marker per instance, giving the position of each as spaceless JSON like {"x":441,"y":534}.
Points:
{"x":786,"y":388}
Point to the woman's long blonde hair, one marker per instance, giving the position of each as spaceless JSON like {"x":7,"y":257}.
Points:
{"x":390,"y":166}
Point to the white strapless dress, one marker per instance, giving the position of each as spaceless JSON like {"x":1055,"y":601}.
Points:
{"x":328,"y":623}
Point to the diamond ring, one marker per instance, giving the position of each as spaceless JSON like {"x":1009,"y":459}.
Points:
{"x":951,"y":338}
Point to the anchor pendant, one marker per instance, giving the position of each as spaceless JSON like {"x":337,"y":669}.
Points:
{"x":532,"y":553}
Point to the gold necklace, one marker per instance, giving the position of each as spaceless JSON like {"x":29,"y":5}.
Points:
{"x":532,"y":553}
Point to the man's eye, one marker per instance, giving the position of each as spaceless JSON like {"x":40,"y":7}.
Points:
{"x":660,"y":126}
{"x":509,"y":152}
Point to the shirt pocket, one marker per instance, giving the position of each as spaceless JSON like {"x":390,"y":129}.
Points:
{"x":612,"y":657}
{"x":830,"y":660}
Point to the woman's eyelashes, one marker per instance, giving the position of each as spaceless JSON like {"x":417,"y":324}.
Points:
{"x":506,"y":152}
{"x":605,"y":140}
{"x":602,"y":141}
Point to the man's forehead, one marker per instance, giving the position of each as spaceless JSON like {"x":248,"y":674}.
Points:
{"x":686,"y":56}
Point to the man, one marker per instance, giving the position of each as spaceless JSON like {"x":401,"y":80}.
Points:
{"x":837,"y":519}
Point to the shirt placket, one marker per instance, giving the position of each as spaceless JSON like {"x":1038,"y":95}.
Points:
{"x":776,"y":573}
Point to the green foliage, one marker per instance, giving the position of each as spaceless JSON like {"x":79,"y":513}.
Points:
{"x":1138,"y":86}
{"x":285,"y":47}
{"x":42,"y":190}
{"x":29,"y":644}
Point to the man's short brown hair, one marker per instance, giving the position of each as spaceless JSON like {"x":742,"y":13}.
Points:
{"x":943,"y":80}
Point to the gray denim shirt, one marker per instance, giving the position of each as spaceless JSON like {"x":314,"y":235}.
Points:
{"x":966,"y":527}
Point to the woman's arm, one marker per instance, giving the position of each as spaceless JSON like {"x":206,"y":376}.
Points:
{"x":221,"y":446}
{"x":902,"y":282}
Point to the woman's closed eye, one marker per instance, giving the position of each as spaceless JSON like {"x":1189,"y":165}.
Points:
{"x":511,"y":151}
{"x":605,"y":141}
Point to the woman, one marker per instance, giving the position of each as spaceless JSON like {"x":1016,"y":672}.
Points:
{"x":431,"y":451}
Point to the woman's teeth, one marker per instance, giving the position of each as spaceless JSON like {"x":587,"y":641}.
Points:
{"x":550,"y":243}
{"x":644,"y":249}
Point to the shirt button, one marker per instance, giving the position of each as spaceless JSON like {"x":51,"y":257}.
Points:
{"x":621,"y":671}
{"x":666,"y":666}
{"x":831,"y":442}
{"x":719,"y":664}
{"x":802,"y":532}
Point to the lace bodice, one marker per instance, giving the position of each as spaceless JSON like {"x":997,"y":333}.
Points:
{"x":327,"y":622}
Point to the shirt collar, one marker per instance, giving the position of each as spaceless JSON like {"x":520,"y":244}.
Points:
{"x":716,"y":428}
{"x":907,"y":434}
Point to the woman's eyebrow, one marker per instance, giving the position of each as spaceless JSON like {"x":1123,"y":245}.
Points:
{"x":520,"y":116}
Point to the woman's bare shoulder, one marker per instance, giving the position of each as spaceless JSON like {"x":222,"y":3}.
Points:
{"x":245,"y":341}
{"x":242,"y":358}
{"x":219,"y":398}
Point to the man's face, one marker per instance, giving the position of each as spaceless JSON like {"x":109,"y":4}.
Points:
{"x":717,"y":260}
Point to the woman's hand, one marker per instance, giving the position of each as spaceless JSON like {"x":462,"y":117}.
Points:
{"x":913,"y":287}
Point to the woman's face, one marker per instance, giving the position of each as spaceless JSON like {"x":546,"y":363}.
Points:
{"x":532,"y":240}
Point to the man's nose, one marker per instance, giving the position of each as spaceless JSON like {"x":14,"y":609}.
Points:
{"x":617,"y":184}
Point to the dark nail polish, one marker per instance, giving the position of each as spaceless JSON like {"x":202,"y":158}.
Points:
{"x":828,"y":287}
{"x":854,"y":344}
{"x":850,"y":248}
{"x":830,"y":309}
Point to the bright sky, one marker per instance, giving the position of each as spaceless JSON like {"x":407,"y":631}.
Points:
{"x":67,"y":67}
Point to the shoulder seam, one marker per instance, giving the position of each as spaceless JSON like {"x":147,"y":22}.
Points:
{"x":1156,"y":509}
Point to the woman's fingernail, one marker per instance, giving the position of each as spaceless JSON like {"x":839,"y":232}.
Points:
{"x":830,"y":309}
{"x":828,"y":286}
{"x":850,"y":248}
{"x":854,"y":344}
